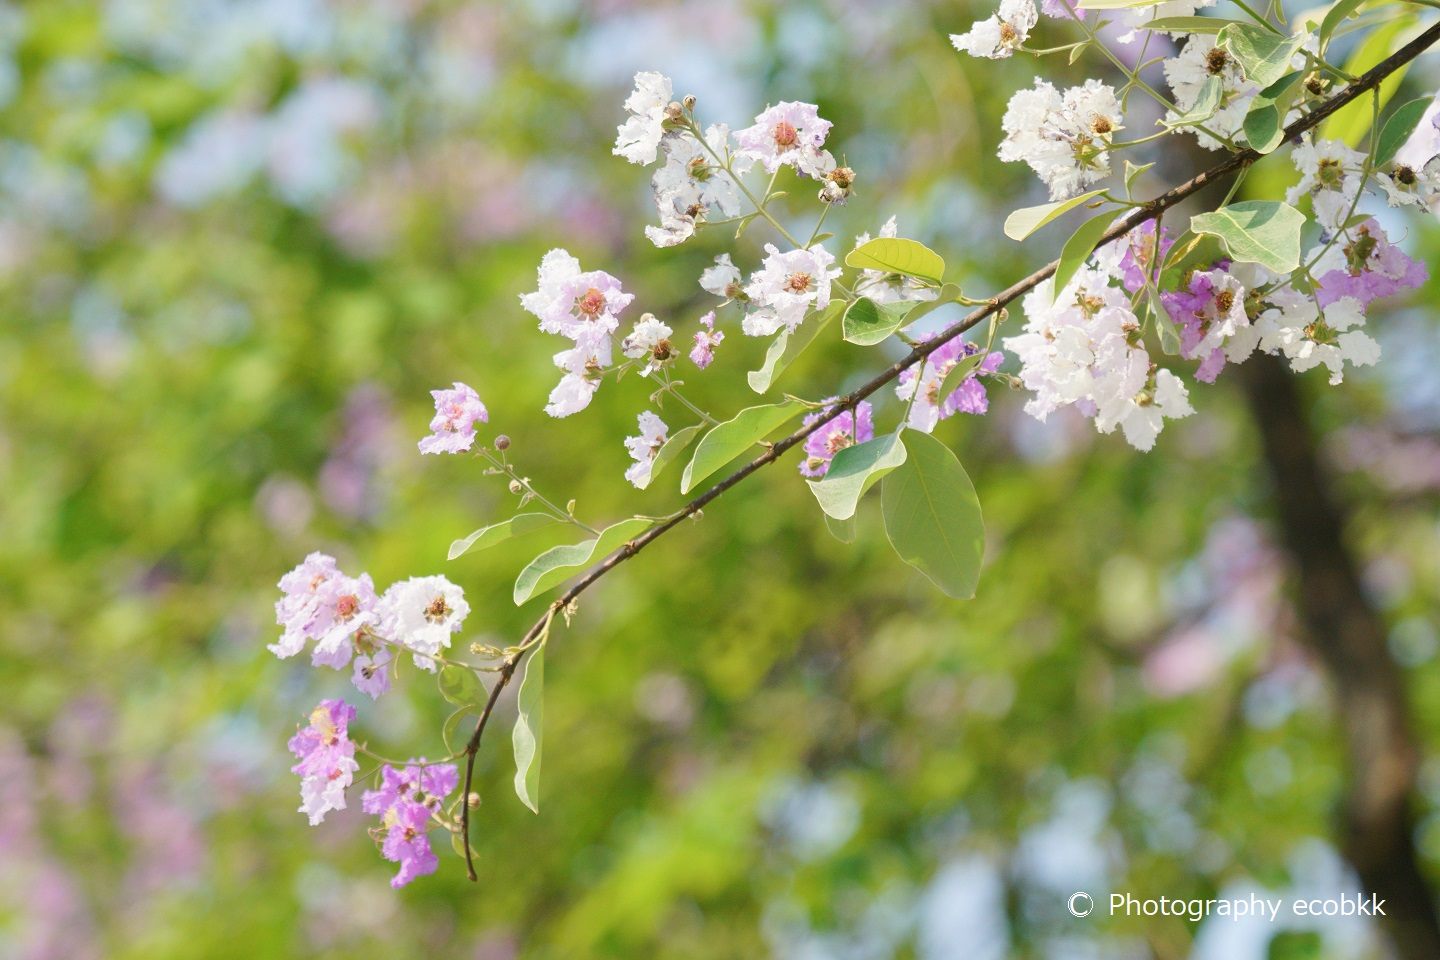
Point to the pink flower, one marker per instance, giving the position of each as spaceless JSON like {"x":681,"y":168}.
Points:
{"x":928,"y":408}
{"x":706,"y":340}
{"x":405,"y":803}
{"x":788,"y":133}
{"x":452,"y":429}
{"x":327,"y":759}
{"x":846,"y":430}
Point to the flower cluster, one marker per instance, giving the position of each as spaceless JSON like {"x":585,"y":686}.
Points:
{"x":1064,"y":137}
{"x":352,"y":627}
{"x":848,"y":429}
{"x":921,"y":386}
{"x":643,"y":448}
{"x":326,"y":758}
{"x":408,"y":803}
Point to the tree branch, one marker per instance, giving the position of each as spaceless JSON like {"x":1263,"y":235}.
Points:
{"x":1148,"y":211}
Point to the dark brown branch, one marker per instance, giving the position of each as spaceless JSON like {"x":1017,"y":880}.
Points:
{"x":1148,"y":211}
{"x":1349,"y":638}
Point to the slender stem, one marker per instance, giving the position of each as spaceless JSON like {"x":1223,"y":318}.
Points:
{"x":504,"y":467}
{"x":1233,"y":164}
{"x":1255,"y":16}
{"x":725,"y":165}
{"x":670,"y":387}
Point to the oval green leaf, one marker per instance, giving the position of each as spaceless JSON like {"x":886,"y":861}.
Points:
{"x":1334,"y":17}
{"x":1398,"y":128}
{"x":1263,"y":54}
{"x":560,"y":563}
{"x":670,"y":451}
{"x":516,"y":526}
{"x":867,"y":323}
{"x":1264,"y":124}
{"x":529,"y":730}
{"x":932,"y":516}
{"x":1205,"y":25}
{"x":460,"y":686}
{"x":853,"y":471}
{"x":788,"y":345}
{"x":1207,"y":101}
{"x":1266,"y":232}
{"x":728,"y":440}
{"x":898,"y":255}
{"x":1079,"y":247}
{"x":1026,"y":221}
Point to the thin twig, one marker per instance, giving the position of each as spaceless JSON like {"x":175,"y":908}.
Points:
{"x":1147,"y":211}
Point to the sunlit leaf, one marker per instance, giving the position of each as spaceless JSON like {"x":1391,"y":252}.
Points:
{"x":898,"y":255}
{"x":529,"y":731}
{"x":1022,"y":223}
{"x":560,"y":563}
{"x":853,"y":471}
{"x":932,"y":516}
{"x":728,"y":440}
{"x":789,"y":344}
{"x":1266,"y":232}
{"x":516,"y":526}
{"x":1079,"y":247}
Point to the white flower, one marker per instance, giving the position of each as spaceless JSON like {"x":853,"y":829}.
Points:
{"x":690,"y":187}
{"x":1187,"y":74}
{"x":569,"y":300}
{"x":643,"y":448}
{"x":997,"y":37}
{"x":1139,"y":19}
{"x":882,"y":287}
{"x":639,"y":136}
{"x":649,"y":341}
{"x":786,"y":287}
{"x":1295,"y":326}
{"x":723,"y":279}
{"x":584,"y":364}
{"x":1333,"y":173}
{"x":788,"y":133}
{"x":1065,"y":139}
{"x":420,"y":614}
{"x":1407,"y":185}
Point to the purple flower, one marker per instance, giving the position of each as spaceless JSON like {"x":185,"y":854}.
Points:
{"x":298,"y":609}
{"x":371,"y":674}
{"x":327,"y":759}
{"x":405,"y":802}
{"x":924,"y":385}
{"x":452,"y":429}
{"x":1140,"y":258}
{"x":703,"y":353}
{"x":1365,"y":265}
{"x":846,"y":430}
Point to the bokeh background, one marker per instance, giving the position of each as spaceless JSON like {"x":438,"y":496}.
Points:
{"x":240,"y":241}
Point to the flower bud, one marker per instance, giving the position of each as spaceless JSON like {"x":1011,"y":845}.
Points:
{"x":502,"y":442}
{"x":674,"y":111}
{"x":842,"y":177}
{"x":689,"y":102}
{"x":472,"y":800}
{"x":516,"y":487}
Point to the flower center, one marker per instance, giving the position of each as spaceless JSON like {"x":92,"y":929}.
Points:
{"x":1224,"y":300}
{"x":785,"y":135}
{"x":1216,"y":60}
{"x":838,"y":441}
{"x":798,"y":282}
{"x":591,"y":302}
{"x":1330,"y":173}
{"x":662,"y":350}
{"x":1007,"y":34}
{"x":346,"y":606}
{"x":1404,"y":175}
{"x":437,"y":610}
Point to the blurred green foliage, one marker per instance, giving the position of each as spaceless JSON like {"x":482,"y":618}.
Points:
{"x":758,"y":741}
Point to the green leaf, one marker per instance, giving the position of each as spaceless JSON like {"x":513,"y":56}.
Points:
{"x":1164,"y":326}
{"x":1079,"y":247}
{"x":1204,"y":25}
{"x":932,"y":516}
{"x":842,"y":530}
{"x":1333,"y":18}
{"x":1132,"y":171}
{"x":1265,"y":123}
{"x":1266,"y":232}
{"x":452,"y":723}
{"x":529,"y":730}
{"x":1207,"y":101}
{"x":728,"y":440}
{"x":898,"y":255}
{"x":853,"y":471}
{"x":1398,"y":128}
{"x":867,"y":323}
{"x":670,"y":451}
{"x":460,"y":686}
{"x":788,"y":345}
{"x":516,"y":526}
{"x":948,"y":294}
{"x":1027,"y":220}
{"x":457,"y":843}
{"x":559,"y":563}
{"x":1264,"y":54}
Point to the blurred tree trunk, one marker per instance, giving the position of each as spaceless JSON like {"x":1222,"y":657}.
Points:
{"x":1348,"y":636}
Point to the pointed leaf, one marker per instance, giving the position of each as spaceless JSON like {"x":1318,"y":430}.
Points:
{"x":788,"y":345}
{"x":853,"y":471}
{"x":1026,"y":221}
{"x":1334,"y":17}
{"x":898,"y":255}
{"x":529,"y":730}
{"x":670,"y":451}
{"x":516,"y":526}
{"x":1266,"y":232}
{"x":1207,"y":101}
{"x":1263,"y":54}
{"x":1398,"y":128}
{"x":842,"y":530}
{"x":560,"y":563}
{"x":867,"y":323}
{"x":1203,"y":25}
{"x":728,"y":440}
{"x":460,"y":686}
{"x":1265,"y":122}
{"x":1079,"y":247}
{"x":932,"y":516}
